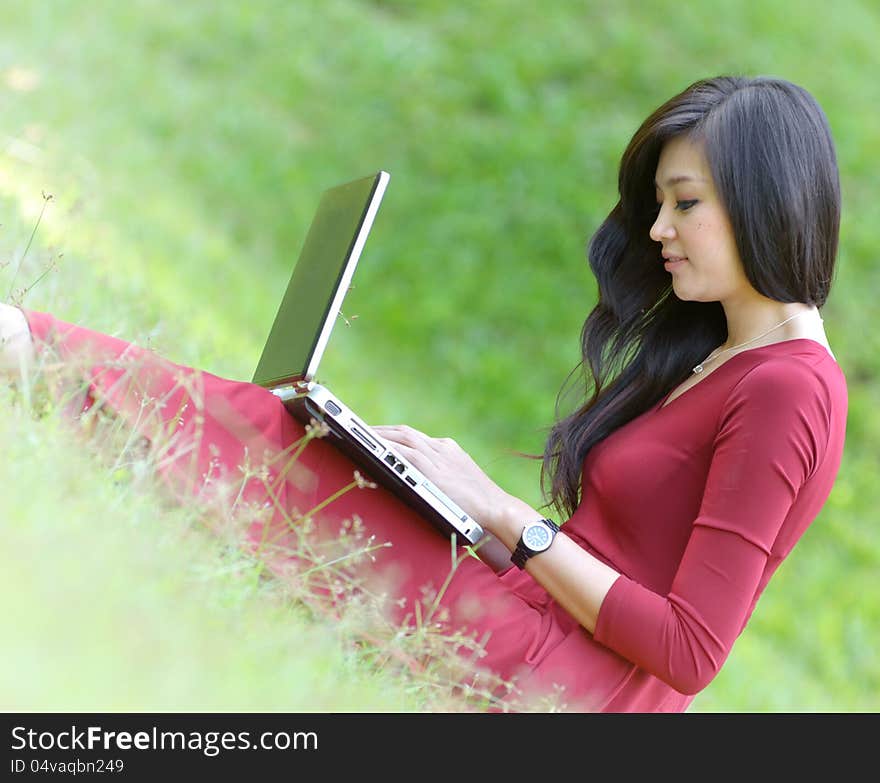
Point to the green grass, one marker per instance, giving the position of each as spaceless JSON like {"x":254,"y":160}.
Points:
{"x":114,"y":601}
{"x":184,"y":146}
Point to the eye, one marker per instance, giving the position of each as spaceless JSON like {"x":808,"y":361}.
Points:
{"x":684,"y":206}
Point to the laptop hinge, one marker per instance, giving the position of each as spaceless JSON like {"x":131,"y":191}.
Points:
{"x":297,"y":389}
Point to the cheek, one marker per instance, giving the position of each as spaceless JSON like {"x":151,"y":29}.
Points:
{"x":717,"y":243}
{"x":726,"y":266}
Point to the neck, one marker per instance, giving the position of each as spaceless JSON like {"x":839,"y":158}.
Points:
{"x":763,"y":323}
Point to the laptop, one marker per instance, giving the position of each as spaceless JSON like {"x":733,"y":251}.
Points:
{"x":299,"y":336}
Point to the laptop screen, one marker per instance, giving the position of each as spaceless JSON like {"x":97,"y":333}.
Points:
{"x":320,"y":281}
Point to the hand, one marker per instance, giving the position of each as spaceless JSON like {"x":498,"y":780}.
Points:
{"x":451,"y":468}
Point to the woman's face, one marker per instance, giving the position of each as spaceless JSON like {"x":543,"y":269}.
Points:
{"x":698,"y":246}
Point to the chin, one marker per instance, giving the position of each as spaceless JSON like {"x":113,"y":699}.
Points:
{"x":684,"y":292}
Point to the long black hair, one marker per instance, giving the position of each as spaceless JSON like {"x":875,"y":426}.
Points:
{"x":772,"y":158}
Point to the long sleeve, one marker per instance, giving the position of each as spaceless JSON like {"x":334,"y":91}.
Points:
{"x":772,"y":437}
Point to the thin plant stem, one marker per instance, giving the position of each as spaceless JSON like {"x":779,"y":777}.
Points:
{"x":46,"y":200}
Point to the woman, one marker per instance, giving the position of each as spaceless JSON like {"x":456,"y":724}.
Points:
{"x":709,"y":439}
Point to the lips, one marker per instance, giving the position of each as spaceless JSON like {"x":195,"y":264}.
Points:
{"x":671,"y":262}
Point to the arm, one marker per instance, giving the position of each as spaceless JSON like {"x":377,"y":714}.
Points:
{"x":569,"y":573}
{"x":763,"y":453}
{"x":773,"y":433}
{"x":492,"y":552}
{"x":576,"y":579}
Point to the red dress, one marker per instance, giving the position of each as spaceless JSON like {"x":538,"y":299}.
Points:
{"x":695,"y":503}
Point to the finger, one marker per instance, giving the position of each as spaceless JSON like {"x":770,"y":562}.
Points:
{"x":396,"y":434}
{"x":414,"y":449}
{"x":415,"y":458}
{"x":390,"y":434}
{"x":402,"y":433}
{"x":401,"y":428}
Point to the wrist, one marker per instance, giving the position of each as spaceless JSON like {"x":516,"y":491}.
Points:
{"x":537,"y":537}
{"x":508,"y":519}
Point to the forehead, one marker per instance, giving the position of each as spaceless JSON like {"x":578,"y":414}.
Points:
{"x":682,"y":158}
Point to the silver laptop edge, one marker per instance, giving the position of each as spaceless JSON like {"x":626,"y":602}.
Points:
{"x":392,"y":463}
{"x":348,"y":274}
{"x":307,"y":374}
{"x":382,"y":462}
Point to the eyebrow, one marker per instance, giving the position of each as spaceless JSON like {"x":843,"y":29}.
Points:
{"x":677,"y":178}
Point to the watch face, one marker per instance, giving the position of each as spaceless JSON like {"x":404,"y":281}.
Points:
{"x":537,"y":537}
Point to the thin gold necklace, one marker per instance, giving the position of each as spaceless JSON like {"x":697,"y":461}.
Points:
{"x":699,"y":368}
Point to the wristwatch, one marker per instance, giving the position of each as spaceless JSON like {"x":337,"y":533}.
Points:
{"x":536,"y":538}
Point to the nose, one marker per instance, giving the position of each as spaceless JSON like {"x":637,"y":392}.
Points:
{"x":662,"y":228}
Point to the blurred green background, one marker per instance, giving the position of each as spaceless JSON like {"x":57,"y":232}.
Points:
{"x":185,"y":145}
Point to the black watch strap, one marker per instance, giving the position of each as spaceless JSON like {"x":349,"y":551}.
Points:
{"x":523,"y":552}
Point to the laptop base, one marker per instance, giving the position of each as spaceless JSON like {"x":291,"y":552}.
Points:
{"x":381,"y":462}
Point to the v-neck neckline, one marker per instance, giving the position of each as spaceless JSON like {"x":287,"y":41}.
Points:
{"x":665,"y":402}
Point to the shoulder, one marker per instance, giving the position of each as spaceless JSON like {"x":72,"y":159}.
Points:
{"x":792,"y":390}
{"x":793,"y":377}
